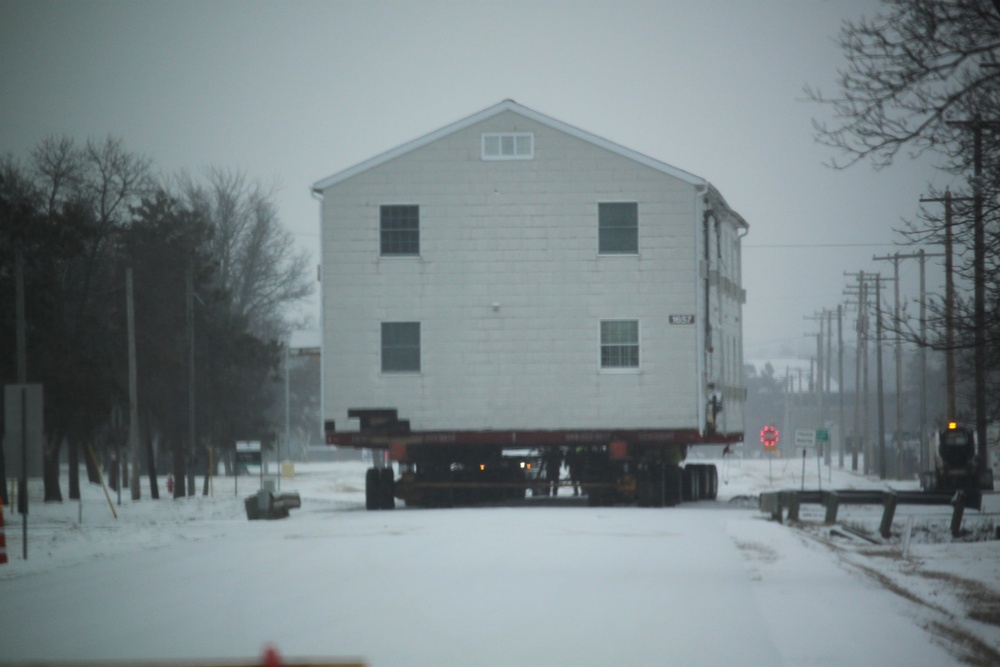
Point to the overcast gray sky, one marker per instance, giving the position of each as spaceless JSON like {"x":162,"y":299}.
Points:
{"x":291,"y":92}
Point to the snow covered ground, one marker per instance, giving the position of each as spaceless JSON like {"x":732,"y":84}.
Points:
{"x":707,"y":583}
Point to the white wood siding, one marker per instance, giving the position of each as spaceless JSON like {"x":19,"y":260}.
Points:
{"x":521,"y":234}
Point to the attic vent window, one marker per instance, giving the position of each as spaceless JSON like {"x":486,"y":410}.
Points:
{"x":508,"y":146}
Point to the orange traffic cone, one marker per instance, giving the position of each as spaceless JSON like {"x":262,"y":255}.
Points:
{"x":3,"y":537}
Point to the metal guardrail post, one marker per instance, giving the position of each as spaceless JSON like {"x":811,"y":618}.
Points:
{"x":793,"y":506}
{"x":771,"y":503}
{"x":889,"y":502}
{"x":832,"y":503}
{"x":958,"y":503}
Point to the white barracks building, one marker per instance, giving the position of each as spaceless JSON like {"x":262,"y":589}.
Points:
{"x":512,"y":279}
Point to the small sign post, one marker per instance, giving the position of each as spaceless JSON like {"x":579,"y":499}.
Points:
{"x":823,"y":442}
{"x":805,"y":438}
{"x":769,"y":437}
{"x":24,"y":435}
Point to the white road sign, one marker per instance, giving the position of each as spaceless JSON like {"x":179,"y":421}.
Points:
{"x":805,"y":438}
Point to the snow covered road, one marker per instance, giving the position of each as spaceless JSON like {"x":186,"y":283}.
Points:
{"x":701,"y":584}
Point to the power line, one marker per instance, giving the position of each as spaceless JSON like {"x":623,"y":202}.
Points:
{"x":823,"y":245}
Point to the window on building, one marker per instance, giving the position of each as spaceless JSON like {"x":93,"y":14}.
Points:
{"x":399,"y":228}
{"x":401,"y":347}
{"x":620,"y":344}
{"x":618,"y":228}
{"x":508,"y":145}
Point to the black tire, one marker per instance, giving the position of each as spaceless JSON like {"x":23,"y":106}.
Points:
{"x":691,"y":486}
{"x":673,"y":485}
{"x":713,"y":483}
{"x":600,"y":496}
{"x":657,"y":487}
{"x":643,"y":480}
{"x":387,"y":488}
{"x":372,"y":489}
{"x":703,"y":481}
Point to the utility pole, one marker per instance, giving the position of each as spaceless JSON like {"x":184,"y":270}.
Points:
{"x":979,"y":280}
{"x":897,"y":325}
{"x":189,"y":308}
{"x":786,"y":423}
{"x":878,"y":366}
{"x":827,"y":454}
{"x":922,"y":256}
{"x":861,"y":441}
{"x":840,"y":383}
{"x":22,"y":379}
{"x":821,"y":316}
{"x":864,"y":283}
{"x":924,"y":458}
{"x":856,"y":413}
{"x":22,"y":355}
{"x":856,"y":407}
{"x":133,"y":409}
{"x":949,"y":300}
{"x":824,"y":368}
{"x":288,"y":404}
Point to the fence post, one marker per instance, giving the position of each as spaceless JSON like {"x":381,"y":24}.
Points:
{"x":832,"y":502}
{"x":958,"y":503}
{"x":889,"y":502}
{"x":793,"y":506}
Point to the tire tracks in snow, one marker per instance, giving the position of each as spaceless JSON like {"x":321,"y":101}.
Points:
{"x":961,"y":635}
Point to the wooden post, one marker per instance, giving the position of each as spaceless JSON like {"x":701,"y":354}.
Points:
{"x":832,"y":502}
{"x":793,"y":506}
{"x":133,"y":425}
{"x":958,"y":503}
{"x":889,"y":503}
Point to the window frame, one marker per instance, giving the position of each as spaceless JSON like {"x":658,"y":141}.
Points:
{"x":608,"y":227}
{"x":397,"y":348}
{"x":620,"y":346}
{"x":387,"y":249}
{"x":515,"y":137}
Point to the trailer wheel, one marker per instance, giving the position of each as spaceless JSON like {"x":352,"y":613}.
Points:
{"x":657,"y":486}
{"x":644,"y":484}
{"x":691,"y":482}
{"x":712,"y":491}
{"x":673,"y":483}
{"x":602,"y":495}
{"x":386,"y":489}
{"x":372,"y":488}
{"x":704,"y":481}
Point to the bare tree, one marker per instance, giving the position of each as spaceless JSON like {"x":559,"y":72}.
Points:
{"x":58,"y":169}
{"x":925,"y":74}
{"x":79,"y":198}
{"x":258,"y":265}
{"x":910,"y":70}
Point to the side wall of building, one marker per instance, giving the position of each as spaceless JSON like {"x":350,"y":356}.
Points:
{"x":510,"y":290}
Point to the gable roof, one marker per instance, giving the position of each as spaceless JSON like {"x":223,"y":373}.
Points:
{"x":507,"y":105}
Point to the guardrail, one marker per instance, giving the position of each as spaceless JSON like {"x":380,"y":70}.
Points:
{"x":776,"y":502}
